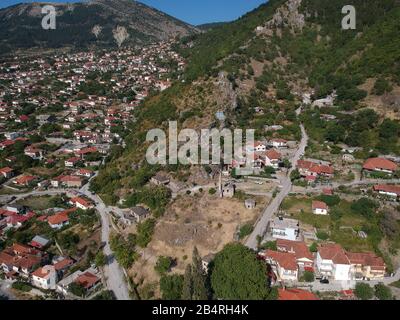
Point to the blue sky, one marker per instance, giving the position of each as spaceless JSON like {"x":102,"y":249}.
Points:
{"x":192,"y":11}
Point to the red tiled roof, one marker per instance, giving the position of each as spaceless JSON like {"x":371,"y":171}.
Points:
{"x":296,"y":294}
{"x":6,"y":170}
{"x":380,"y":163}
{"x":319,"y":169}
{"x":81,"y":201}
{"x":286,"y":260}
{"x":333,"y":252}
{"x":24,"y":179}
{"x":388,"y":188}
{"x":87,"y":280}
{"x":319,"y":205}
{"x":367,"y":259}
{"x":63,"y":264}
{"x":60,"y":217}
{"x":299,"y":248}
{"x":273,"y":154}
{"x":42,"y":272}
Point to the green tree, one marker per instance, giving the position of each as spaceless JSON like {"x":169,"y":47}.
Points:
{"x":314,"y":247}
{"x":100,"y":259}
{"x":200,"y":291}
{"x":163,"y":265}
{"x":187,"y":286}
{"x":383,"y":292}
{"x":238,"y":275}
{"x":194,"y":284}
{"x":364,"y":291}
{"x":295,"y":175}
{"x":171,"y":287}
{"x":77,"y":289}
{"x":308,"y":276}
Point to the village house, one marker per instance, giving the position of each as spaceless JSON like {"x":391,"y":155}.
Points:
{"x":72,"y":162}
{"x":135,"y":215}
{"x":283,"y":228}
{"x":312,"y":169}
{"x":160,"y":180}
{"x":33,"y":152}
{"x":279,"y":143}
{"x":228,"y":190}
{"x":366,"y":266}
{"x":388,"y":190}
{"x":67,"y":181}
{"x":81,"y":203}
{"x":7,"y":172}
{"x":332,"y":262}
{"x":88,"y":280}
{"x":25,"y":181}
{"x":45,"y":278}
{"x":283,"y":264}
{"x":250,"y":204}
{"x":272,"y":159}
{"x":39,"y":242}
{"x":21,"y":259}
{"x":62,"y":264}
{"x":85,"y":173}
{"x":60,"y":219}
{"x":320,"y":208}
{"x":380,"y":165}
{"x":304,"y":258}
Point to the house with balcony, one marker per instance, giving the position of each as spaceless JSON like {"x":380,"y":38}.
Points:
{"x":282,"y":228}
{"x":283,"y":264}
{"x":332,"y":262}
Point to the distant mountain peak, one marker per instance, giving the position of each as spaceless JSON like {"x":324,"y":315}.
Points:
{"x":94,"y":22}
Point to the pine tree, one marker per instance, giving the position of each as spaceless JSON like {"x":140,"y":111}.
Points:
{"x":187,"y":288}
{"x":200,"y":291}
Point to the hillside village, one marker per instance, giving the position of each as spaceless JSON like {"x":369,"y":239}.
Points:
{"x":83,"y":216}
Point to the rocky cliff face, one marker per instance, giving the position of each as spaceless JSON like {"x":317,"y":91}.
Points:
{"x":96,"y":22}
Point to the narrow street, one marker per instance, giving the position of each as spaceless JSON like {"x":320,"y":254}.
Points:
{"x":273,"y":207}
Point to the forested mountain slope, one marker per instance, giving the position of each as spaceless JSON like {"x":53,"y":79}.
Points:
{"x":268,"y":59}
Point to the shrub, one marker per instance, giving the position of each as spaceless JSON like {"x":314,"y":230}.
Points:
{"x":163,"y":265}
{"x":245,"y":230}
{"x":364,"y":291}
{"x":21,"y":286}
{"x":308,"y":276}
{"x":383,"y":292}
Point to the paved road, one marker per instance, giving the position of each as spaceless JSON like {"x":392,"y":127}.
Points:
{"x":273,"y":207}
{"x":113,"y":272}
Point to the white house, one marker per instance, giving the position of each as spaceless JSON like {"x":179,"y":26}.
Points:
{"x":278,"y":143}
{"x":388,"y":190}
{"x":45,"y":278}
{"x":287,"y":229}
{"x":332,"y":262}
{"x":320,"y":208}
{"x":272,"y":158}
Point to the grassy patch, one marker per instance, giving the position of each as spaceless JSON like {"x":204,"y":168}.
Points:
{"x":39,"y":203}
{"x":396,"y":284}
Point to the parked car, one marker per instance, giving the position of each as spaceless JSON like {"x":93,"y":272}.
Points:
{"x":324,"y":281}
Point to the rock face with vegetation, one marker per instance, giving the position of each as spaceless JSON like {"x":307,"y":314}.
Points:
{"x":90,"y":23}
{"x":271,"y":71}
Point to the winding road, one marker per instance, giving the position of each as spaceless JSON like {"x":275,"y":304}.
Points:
{"x":114,"y":275}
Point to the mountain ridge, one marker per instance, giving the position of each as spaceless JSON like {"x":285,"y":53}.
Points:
{"x":96,"y":22}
